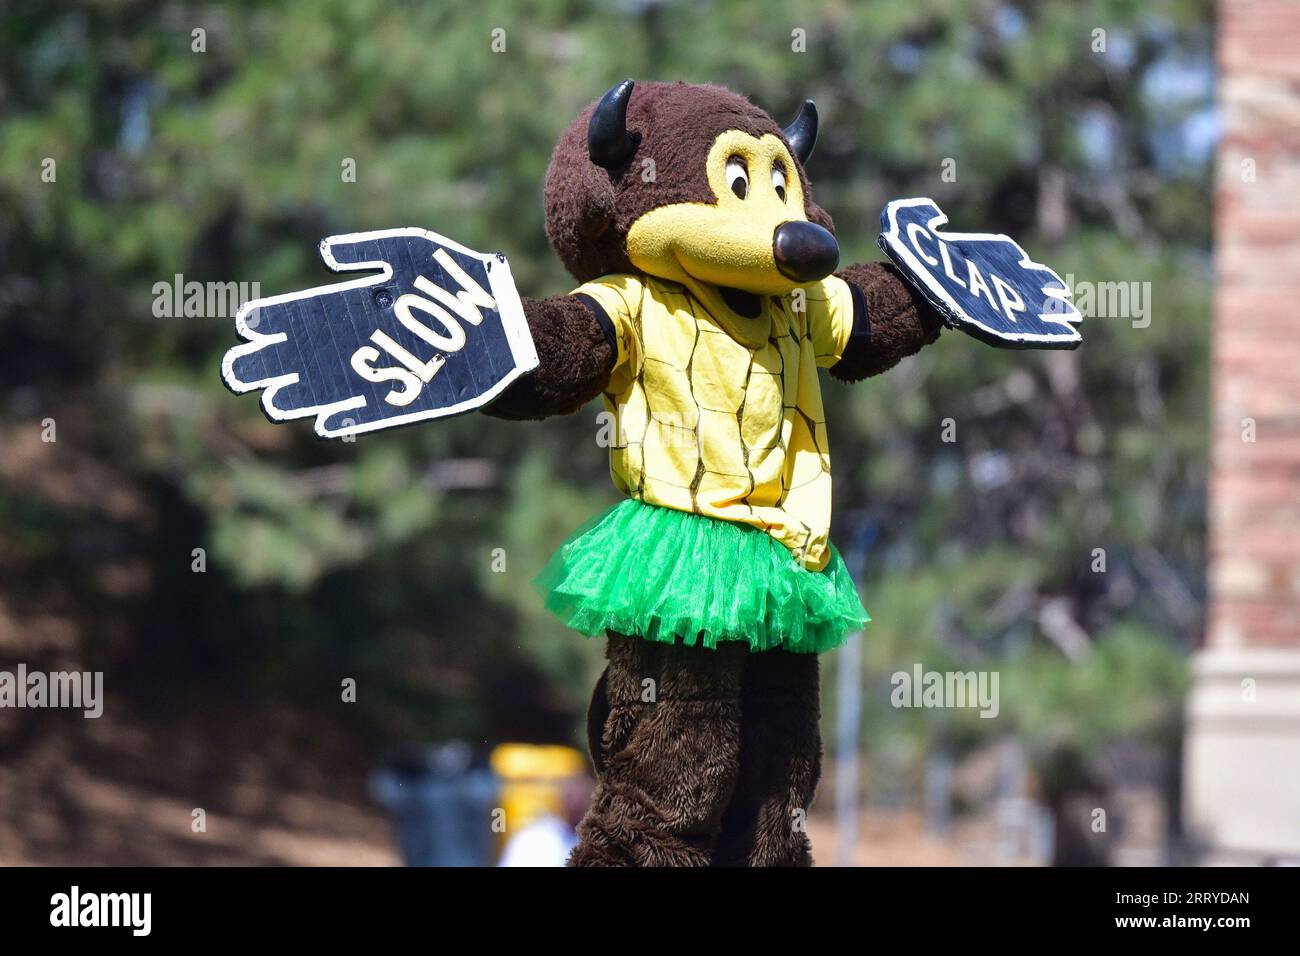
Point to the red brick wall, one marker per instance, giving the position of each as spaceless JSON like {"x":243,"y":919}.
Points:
{"x":1255,"y":486}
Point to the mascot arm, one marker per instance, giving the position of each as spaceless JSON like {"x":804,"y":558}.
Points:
{"x":891,"y":321}
{"x":575,"y":354}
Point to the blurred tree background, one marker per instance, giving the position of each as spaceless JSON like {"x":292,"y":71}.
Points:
{"x":1058,"y":540}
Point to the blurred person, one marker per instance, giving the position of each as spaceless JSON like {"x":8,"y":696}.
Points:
{"x":549,"y":839}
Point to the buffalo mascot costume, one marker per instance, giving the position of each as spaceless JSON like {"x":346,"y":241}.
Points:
{"x":709,"y":299}
{"x":709,"y":296}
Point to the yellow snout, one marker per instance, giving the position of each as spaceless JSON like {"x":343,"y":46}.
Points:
{"x":755,"y":236}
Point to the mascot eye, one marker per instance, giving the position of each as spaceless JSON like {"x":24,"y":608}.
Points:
{"x":738,"y":176}
{"x":778,"y":181}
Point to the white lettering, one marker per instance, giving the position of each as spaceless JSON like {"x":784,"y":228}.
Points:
{"x":361,"y":364}
{"x":1010,"y":298}
{"x":914,"y":234}
{"x":465,"y":303}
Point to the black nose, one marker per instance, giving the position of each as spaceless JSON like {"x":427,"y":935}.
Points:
{"x":804,"y":251}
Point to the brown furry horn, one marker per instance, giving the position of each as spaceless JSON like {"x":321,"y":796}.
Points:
{"x":609,"y":144}
{"x":801,"y":134}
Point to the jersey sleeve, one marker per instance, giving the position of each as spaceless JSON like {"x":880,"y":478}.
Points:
{"x":618,"y":298}
{"x":833,"y":305}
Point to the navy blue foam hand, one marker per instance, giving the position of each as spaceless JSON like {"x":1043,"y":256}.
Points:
{"x":982,"y":283}
{"x":431,"y":329}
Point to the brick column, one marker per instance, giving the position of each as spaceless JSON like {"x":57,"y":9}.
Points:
{"x":1243,"y":746}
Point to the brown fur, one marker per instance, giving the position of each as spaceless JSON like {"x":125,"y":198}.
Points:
{"x":900,"y":322}
{"x":574,"y":359}
{"x":714,"y":770}
{"x":780,"y":763}
{"x":668,"y":765}
{"x":589,"y":209}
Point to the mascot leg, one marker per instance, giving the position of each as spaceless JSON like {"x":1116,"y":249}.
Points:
{"x":667,"y":754}
{"x":780,"y":763}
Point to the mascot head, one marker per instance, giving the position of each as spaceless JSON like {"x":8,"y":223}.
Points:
{"x":693,"y":184}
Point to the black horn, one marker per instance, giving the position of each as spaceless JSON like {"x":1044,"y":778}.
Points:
{"x":801,"y":134}
{"x":609,"y":144}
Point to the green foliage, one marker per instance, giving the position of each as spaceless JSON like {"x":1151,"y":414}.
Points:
{"x":1126,"y":689}
{"x":365,"y":558}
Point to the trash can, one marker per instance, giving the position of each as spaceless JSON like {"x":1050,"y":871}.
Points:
{"x":441,"y":800}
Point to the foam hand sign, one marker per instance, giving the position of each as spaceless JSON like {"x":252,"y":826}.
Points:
{"x":982,"y":283}
{"x":431,"y":329}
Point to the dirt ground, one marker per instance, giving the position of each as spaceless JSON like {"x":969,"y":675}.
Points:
{"x":109,"y":792}
{"x":105,"y":792}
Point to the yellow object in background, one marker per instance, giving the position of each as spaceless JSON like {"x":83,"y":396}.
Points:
{"x":532,"y":780}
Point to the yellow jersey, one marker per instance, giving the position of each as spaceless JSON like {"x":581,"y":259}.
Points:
{"x":719,"y":414}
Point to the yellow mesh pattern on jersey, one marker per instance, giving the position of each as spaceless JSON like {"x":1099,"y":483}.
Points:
{"x":721,"y":415}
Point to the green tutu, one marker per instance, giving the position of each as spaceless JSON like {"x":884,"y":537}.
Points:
{"x":672,"y":576}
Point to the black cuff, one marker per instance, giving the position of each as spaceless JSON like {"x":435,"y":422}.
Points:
{"x":602,"y":318}
{"x":855,"y":351}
